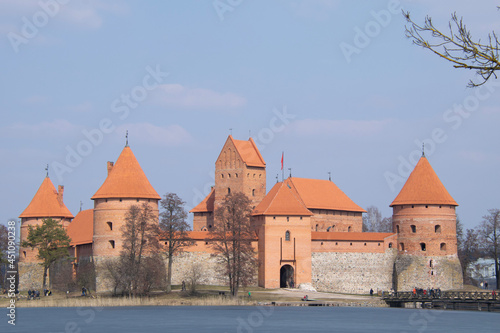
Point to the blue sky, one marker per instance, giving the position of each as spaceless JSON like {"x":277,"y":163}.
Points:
{"x":178,"y":75}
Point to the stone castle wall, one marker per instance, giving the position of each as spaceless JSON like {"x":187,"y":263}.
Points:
{"x":353,"y":272}
{"x":416,"y":271}
{"x":31,"y":276}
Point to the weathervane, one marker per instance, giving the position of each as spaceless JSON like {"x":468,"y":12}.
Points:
{"x":290,"y":169}
{"x":231,"y":131}
{"x":423,"y":149}
{"x":329,"y":176}
{"x":47,"y":170}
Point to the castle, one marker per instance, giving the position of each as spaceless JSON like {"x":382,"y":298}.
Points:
{"x":307,"y":231}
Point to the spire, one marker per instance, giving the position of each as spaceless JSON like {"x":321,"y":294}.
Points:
{"x":126,"y":139}
{"x":329,"y":175}
{"x":126,"y":180}
{"x":423,"y":187}
{"x":423,"y":150}
{"x":47,"y":170}
{"x":47,"y":202}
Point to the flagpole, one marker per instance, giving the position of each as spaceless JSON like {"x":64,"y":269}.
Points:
{"x":282,"y":169}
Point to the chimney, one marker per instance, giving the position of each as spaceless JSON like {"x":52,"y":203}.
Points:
{"x":110,"y":166}
{"x":60,"y":194}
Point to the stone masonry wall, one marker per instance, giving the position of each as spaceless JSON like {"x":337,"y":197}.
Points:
{"x":353,"y":273}
{"x":416,"y":271}
{"x":31,"y":276}
{"x":183,"y":265}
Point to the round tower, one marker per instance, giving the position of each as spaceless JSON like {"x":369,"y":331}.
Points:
{"x":126,"y":185}
{"x":424,"y":220}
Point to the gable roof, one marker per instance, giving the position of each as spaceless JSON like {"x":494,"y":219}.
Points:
{"x":322,"y":194}
{"x":126,"y":180}
{"x":248,"y":151}
{"x":207,"y":205}
{"x":281,"y":200}
{"x":81,"y":229}
{"x":423,"y":187}
{"x":46,"y":203}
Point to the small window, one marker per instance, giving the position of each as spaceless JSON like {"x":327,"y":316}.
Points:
{"x":426,"y":206}
{"x":350,"y":244}
{"x":120,"y":199}
{"x":437,"y":229}
{"x":413,"y":228}
{"x":274,"y":217}
{"x":390,"y":245}
{"x":248,"y":175}
{"x":333,"y":227}
{"x":228,"y":190}
{"x":336,"y":243}
{"x":288,"y":218}
{"x":397,"y":229}
{"x":378,"y":244}
{"x":301,"y":217}
{"x":206,"y":243}
{"x":209,"y":226}
{"x":112,"y":244}
{"x":401,"y":246}
{"x":365,"y":244}
{"x":287,"y":235}
{"x":253,"y":192}
{"x":349,"y":229}
{"x":24,"y":254}
{"x":317,"y":225}
{"x":254,"y":175}
{"x":236,"y":175}
{"x":412,"y":206}
{"x":229,"y":175}
{"x":137,"y":200}
{"x":221,"y":175}
{"x":430,"y":263}
{"x":443,"y":246}
{"x":422,"y":246}
{"x":110,"y":225}
{"x":328,"y":229}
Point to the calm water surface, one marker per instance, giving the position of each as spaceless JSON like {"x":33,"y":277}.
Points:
{"x":248,"y":319}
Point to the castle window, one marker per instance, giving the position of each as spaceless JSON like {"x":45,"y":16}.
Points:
{"x":397,"y":229}
{"x":437,"y":229}
{"x":443,"y":246}
{"x":390,"y":245}
{"x":288,"y":218}
{"x":112,"y":244}
{"x":365,"y":244}
{"x":430,"y":263}
{"x":401,"y":246}
{"x":206,"y":243}
{"x":221,"y":175}
{"x":274,"y":217}
{"x":248,"y":175}
{"x":413,"y":228}
{"x":328,"y":229}
{"x":426,"y":206}
{"x":378,"y":244}
{"x":229,"y":175}
{"x":317,"y":225}
{"x":439,"y":206}
{"x":110,"y":225}
{"x":120,"y":199}
{"x":254,"y":175}
{"x":287,"y":235}
{"x":209,"y":226}
{"x":349,"y":229}
{"x":350,"y":244}
{"x":24,"y":254}
{"x":333,"y":227}
{"x":105,"y":200}
{"x":336,"y":243}
{"x":301,"y":217}
{"x":260,"y":175}
{"x":321,"y":243}
{"x":422,"y":246}
{"x":236,"y":175}
{"x":412,"y":206}
{"x":228,"y":190}
{"x":137,"y":200}
{"x":253,"y":192}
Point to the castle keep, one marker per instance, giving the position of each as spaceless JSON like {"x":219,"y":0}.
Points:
{"x":307,"y":231}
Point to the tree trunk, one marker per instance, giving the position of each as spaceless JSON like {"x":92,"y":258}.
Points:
{"x":45,"y":268}
{"x":169,"y":272}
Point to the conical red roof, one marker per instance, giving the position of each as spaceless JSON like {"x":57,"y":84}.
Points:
{"x":126,"y":180}
{"x":207,"y":205}
{"x":423,"y":187}
{"x":46,"y":203}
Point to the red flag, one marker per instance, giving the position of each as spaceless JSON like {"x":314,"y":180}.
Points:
{"x":282,"y":155}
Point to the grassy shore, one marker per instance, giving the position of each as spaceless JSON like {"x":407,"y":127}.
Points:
{"x":205,"y":296}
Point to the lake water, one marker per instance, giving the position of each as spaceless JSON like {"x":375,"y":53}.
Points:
{"x":248,"y":319}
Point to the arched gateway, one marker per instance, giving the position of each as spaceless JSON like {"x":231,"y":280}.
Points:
{"x":286,"y":277}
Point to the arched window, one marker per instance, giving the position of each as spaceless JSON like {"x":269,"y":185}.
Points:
{"x":397,"y":229}
{"x":422,"y":246}
{"x":390,"y":245}
{"x":443,"y":246}
{"x":253,"y":192}
{"x":401,"y":246}
{"x":413,"y":228}
{"x":287,"y":235}
{"x":437,"y":229}
{"x":110,"y":225}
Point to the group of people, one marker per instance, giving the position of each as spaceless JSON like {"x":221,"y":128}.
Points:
{"x":33,"y":294}
{"x":431,"y":292}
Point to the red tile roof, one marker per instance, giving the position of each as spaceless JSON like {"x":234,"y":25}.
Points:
{"x":207,"y":205}
{"x":423,"y":187}
{"x":81,"y":229}
{"x":322,"y":194}
{"x":126,"y":180}
{"x":45,"y":203}
{"x":248,"y":152}
{"x":350,"y":236}
{"x":282,"y":200}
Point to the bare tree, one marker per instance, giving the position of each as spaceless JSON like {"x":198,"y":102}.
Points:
{"x":232,"y":240}
{"x":174,"y":230}
{"x":468,"y":250}
{"x":373,"y":221}
{"x":489,"y":231}
{"x":195,"y":276}
{"x":457,"y":46}
{"x":140,"y":239}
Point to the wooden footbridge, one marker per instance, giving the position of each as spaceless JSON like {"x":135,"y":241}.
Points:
{"x":452,"y":300}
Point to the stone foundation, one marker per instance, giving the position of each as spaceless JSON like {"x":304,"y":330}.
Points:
{"x":416,"y":271}
{"x":353,"y":273}
{"x":31,"y":276}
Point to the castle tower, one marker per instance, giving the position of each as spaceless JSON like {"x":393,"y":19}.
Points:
{"x":126,"y":185}
{"x":47,"y":203}
{"x":424,"y":219}
{"x":283,"y":226}
{"x":239,"y":168}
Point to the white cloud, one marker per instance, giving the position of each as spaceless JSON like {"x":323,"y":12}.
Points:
{"x":173,"y":135}
{"x":349,"y":128}
{"x":176,"y":95}
{"x":55,"y":128}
